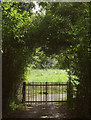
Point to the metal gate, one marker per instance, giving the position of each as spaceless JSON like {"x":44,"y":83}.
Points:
{"x":45,"y":92}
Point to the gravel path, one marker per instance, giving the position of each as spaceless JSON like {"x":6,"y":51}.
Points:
{"x":42,"y":111}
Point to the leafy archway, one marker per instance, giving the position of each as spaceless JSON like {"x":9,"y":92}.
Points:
{"x":63,"y":30}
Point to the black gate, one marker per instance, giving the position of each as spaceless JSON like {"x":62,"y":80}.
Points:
{"x":45,"y":92}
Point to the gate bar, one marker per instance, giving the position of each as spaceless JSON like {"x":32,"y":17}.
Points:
{"x":47,"y":101}
{"x":28,"y":93}
{"x":46,"y":91}
{"x":45,"y":88}
{"x":23,"y":91}
{"x":59,"y":91}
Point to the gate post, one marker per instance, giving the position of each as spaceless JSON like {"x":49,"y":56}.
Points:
{"x":70,"y":94}
{"x":23,"y":92}
{"x":46,"y":92}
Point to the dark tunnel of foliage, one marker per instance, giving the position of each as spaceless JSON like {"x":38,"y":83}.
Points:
{"x":63,"y":28}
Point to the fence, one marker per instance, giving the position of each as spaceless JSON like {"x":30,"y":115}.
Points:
{"x":47,"y":92}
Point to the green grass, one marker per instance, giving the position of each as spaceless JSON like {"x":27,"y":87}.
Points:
{"x":47,"y":75}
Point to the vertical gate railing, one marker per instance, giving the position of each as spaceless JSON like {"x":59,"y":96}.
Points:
{"x":24,"y":92}
{"x":46,"y":92}
{"x":70,"y":93}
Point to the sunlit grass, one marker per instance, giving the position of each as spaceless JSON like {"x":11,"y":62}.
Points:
{"x":47,"y":75}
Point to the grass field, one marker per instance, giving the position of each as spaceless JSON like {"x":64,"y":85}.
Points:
{"x":47,"y":75}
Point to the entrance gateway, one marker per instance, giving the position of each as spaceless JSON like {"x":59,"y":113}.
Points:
{"x":45,"y":92}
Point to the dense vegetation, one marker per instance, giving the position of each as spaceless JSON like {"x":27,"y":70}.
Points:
{"x":63,"y":31}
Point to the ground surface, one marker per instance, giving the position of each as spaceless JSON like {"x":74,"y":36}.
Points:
{"x":44,"y":110}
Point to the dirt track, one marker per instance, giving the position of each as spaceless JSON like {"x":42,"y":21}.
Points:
{"x":42,"y":111}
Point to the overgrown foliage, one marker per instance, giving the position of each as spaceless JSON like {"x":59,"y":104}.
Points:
{"x":15,"y":21}
{"x":67,"y":34}
{"x":63,"y":31}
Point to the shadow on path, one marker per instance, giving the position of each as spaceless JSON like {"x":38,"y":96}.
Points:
{"x":42,"y":111}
